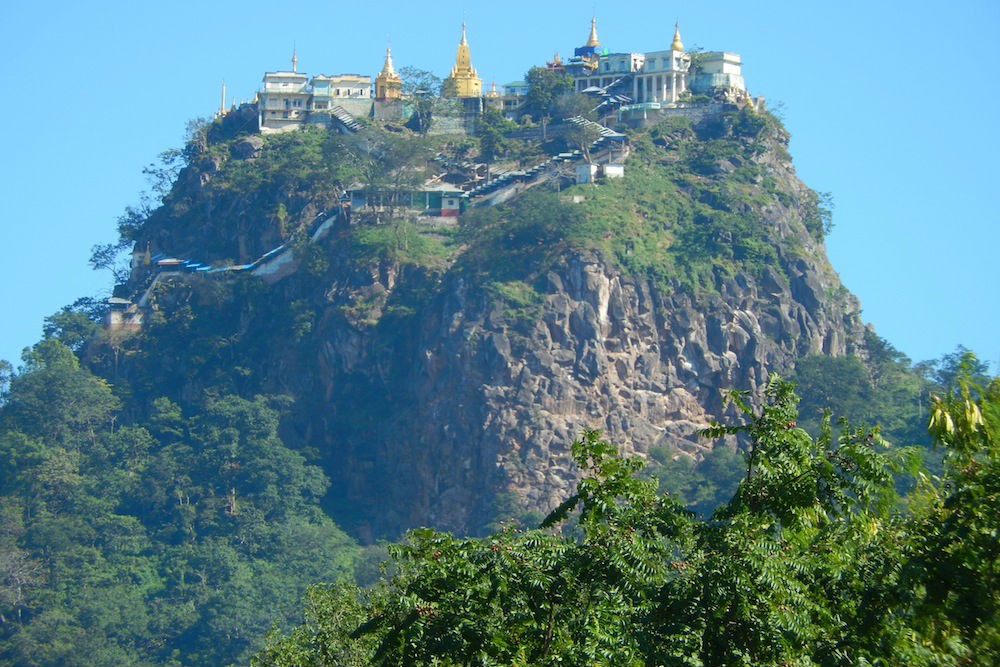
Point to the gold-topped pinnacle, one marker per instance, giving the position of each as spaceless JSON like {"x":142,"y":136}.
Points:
{"x":388,"y":84}
{"x":387,"y":69}
{"x":592,"y":40}
{"x":463,"y":81}
{"x":677,"y":45}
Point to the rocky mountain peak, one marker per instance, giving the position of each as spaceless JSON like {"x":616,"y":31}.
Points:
{"x":441,"y":369}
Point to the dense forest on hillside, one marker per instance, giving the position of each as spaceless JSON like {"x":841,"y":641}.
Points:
{"x":179,"y":540}
{"x":168,"y":495}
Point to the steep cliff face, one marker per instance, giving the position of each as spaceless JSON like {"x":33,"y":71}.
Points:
{"x":481,"y":401}
{"x":500,"y":402}
{"x":442,"y":373}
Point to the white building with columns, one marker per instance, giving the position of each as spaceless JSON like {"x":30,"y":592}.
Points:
{"x":657,"y":76}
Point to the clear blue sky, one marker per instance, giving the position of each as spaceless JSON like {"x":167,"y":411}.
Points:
{"x":892,"y":108}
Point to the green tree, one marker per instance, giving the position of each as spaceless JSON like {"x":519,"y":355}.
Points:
{"x":703,"y":485}
{"x":392,"y":167}
{"x":794,"y":569}
{"x":111,"y":257}
{"x":838,"y":384}
{"x":954,"y":573}
{"x":545,"y":88}
{"x":55,"y":399}
{"x":962,"y":365}
{"x":490,"y":131}
{"x":6,"y":374}
{"x":423,"y":90}
{"x":881,"y":388}
{"x":77,"y":324}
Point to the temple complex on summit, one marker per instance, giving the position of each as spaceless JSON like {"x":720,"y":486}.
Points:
{"x":626,"y":81}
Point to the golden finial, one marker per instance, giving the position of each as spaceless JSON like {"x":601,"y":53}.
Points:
{"x":593,"y":33}
{"x":295,"y":60}
{"x":388,"y":85}
{"x":463,"y":58}
{"x":678,"y":45}
{"x":463,"y":80}
{"x":388,"y":69}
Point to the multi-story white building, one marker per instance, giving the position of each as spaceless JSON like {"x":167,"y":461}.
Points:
{"x":284,"y":99}
{"x":657,"y":76}
{"x":332,"y":89}
{"x":291,"y":99}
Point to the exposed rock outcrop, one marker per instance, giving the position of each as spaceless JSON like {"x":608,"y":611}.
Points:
{"x":485,"y":401}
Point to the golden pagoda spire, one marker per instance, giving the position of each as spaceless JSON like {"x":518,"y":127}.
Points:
{"x":295,"y":60}
{"x":463,"y":58}
{"x":387,"y":69}
{"x":678,"y":45}
{"x":388,"y":84}
{"x":592,"y":41}
{"x":222,"y":106}
{"x":463,"y":81}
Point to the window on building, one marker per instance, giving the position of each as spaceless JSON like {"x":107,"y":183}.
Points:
{"x":284,"y":114}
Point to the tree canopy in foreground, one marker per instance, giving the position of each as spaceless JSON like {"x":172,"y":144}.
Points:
{"x":814,"y":561}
